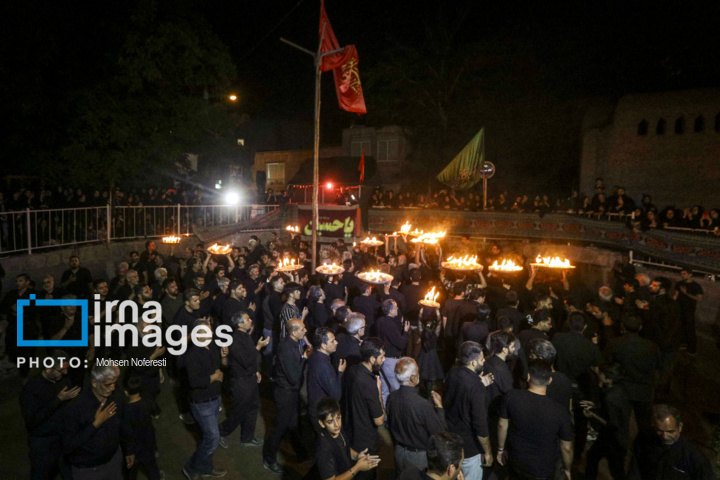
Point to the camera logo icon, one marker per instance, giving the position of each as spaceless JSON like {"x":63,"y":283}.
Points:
{"x":82,"y":304}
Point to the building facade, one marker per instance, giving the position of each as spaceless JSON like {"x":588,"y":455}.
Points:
{"x":665,"y":144}
{"x":388,"y":145}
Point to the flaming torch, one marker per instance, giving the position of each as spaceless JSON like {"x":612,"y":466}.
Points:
{"x":405,"y":229}
{"x":430,"y":299}
{"x":466,"y":263}
{"x":292,"y":229}
{"x":505,"y":266}
{"x":552,"y":262}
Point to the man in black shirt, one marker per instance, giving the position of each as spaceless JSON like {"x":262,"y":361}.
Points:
{"x":77,"y":280}
{"x":393,"y":331}
{"x":576,"y":357}
{"x":664,"y":453}
{"x":451,"y":324}
{"x":93,"y":431}
{"x":288,"y":378}
{"x":350,"y":339}
{"x":322,"y":379}
{"x":413,"y":294}
{"x":536,"y":425}
{"x":244,"y":379}
{"x":466,"y":409}
{"x":689,"y":294}
{"x":445,"y":455}
{"x":541,"y":324}
{"x":271,"y":307}
{"x":362,"y":397}
{"x":510,"y":310}
{"x":41,"y":402}
{"x":205,"y":379}
{"x":237,"y":302}
{"x":502,"y":347}
{"x":185,"y":317}
{"x":560,"y":388}
{"x":333,"y":455}
{"x":478,"y":329}
{"x":368,"y":305}
{"x":8,"y":307}
{"x":411,"y":418}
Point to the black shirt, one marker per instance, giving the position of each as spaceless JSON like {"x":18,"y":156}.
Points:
{"x":242,"y":355}
{"x":87,"y":446}
{"x":137,"y":416}
{"x":412,"y":419}
{"x":413,"y":473}
{"x":361,"y":406}
{"x":318,"y":315}
{"x":201,"y":362}
{"x":390,"y":330}
{"x":289,"y":364}
{"x":515,"y":316}
{"x":323,"y":381}
{"x":560,"y":389}
{"x":413,"y":294}
{"x":348,"y":349}
{"x":575,"y":355}
{"x":503,"y":383}
{"x":465,"y":410}
{"x":652,"y":460}
{"x":233,"y":306}
{"x":368,"y":306}
{"x":40,"y":406}
{"x":332,"y":454}
{"x":81,"y":285}
{"x":475,"y":331}
{"x":450,"y":310}
{"x":528,"y":335}
{"x":537,"y":423}
{"x":638,"y":358}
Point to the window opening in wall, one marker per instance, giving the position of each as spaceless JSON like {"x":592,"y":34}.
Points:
{"x":717,"y":123}
{"x":699,"y":124}
{"x":642,"y":128}
{"x":660,"y":128}
{"x":680,"y":125}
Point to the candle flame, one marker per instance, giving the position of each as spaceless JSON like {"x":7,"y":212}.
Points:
{"x":372,"y":241}
{"x":290,"y":228}
{"x":406,"y":228}
{"x":552,"y":262}
{"x":431,"y":296}
{"x":219,"y":249}
{"x":375,"y":276}
{"x":505,"y":266}
{"x":171,"y":239}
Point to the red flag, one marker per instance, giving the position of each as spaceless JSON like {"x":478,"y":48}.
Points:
{"x":344,"y":65}
{"x":361,"y":166}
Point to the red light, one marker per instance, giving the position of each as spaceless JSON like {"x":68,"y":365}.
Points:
{"x":329,"y":185}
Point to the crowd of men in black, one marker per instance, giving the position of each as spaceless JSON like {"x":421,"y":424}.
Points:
{"x":618,"y":205}
{"x":509,"y":377}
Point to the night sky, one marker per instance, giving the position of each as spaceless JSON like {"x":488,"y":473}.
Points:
{"x":529,"y":70}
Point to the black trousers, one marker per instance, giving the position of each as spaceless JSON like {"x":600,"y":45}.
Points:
{"x":146,"y":463}
{"x":245,"y":407}
{"x":287,"y":404}
{"x":46,"y":459}
{"x":606,"y":446}
{"x":581,"y":422}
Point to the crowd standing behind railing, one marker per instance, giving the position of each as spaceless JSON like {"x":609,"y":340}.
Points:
{"x":618,"y":207}
{"x":50,"y":217}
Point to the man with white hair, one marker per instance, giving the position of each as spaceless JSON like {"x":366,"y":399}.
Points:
{"x":93,"y":432}
{"x":349,"y":341}
{"x":411,"y":419}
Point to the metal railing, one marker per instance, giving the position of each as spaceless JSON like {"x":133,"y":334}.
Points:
{"x":30,"y":230}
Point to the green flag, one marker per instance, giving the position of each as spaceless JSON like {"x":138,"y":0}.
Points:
{"x":464,"y":171}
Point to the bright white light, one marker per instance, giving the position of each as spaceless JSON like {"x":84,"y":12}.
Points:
{"x":232,"y":198}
